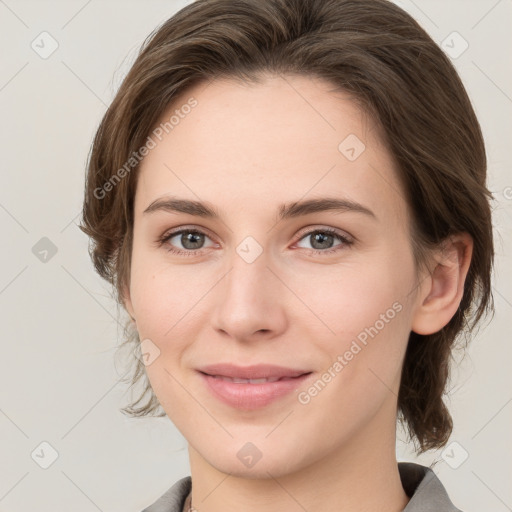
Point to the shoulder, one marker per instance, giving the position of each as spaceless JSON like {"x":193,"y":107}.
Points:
{"x":173,"y":499}
{"x":425,"y":490}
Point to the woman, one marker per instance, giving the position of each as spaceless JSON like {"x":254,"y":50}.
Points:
{"x":289,"y":197}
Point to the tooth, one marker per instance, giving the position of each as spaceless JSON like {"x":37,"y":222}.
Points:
{"x":237,"y":380}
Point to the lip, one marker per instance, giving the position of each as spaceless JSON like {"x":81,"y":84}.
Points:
{"x":247,"y":396}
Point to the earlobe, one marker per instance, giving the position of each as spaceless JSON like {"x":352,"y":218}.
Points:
{"x":443,"y":291}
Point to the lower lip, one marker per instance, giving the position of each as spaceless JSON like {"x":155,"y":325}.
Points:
{"x":251,"y":396}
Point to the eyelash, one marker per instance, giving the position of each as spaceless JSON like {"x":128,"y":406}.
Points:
{"x":346,"y":242}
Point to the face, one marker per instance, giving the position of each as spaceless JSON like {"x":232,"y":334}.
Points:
{"x":327,"y":293}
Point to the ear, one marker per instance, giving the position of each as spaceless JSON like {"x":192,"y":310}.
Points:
{"x":442,"y":291}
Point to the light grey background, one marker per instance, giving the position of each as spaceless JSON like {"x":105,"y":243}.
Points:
{"x":60,"y":381}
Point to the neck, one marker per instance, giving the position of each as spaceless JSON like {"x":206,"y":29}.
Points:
{"x":360,"y":476}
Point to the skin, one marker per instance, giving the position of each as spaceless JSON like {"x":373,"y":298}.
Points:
{"x":246,"y":149}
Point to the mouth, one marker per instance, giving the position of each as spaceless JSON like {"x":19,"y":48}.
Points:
{"x":254,"y":390}
{"x":254,"y":372}
{"x":263,"y":380}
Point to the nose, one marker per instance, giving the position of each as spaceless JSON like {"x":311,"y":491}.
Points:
{"x":249,"y":302}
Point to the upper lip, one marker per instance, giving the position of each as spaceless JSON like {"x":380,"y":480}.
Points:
{"x":259,"y":371}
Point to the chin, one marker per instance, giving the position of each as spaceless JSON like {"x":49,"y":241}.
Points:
{"x":247,"y":461}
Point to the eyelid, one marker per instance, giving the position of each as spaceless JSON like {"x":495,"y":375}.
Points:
{"x":187,"y":228}
{"x":313,"y":228}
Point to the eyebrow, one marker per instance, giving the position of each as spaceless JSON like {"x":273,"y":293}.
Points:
{"x":286,"y":211}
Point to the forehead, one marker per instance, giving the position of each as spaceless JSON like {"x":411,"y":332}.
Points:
{"x":275,"y":141}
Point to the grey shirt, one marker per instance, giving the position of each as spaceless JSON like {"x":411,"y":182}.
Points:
{"x":420,"y":483}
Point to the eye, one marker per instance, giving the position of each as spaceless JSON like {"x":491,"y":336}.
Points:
{"x":192,"y":241}
{"x":322,"y":239}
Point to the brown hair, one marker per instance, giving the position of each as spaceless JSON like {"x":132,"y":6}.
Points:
{"x":381,"y":56}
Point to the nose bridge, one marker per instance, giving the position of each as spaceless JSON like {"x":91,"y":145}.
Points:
{"x":248,"y":268}
{"x":247,"y":280}
{"x":249,"y":299}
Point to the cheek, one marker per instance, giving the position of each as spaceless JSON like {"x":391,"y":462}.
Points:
{"x":164,"y":295}
{"x":346,"y":300}
{"x":365,"y":312}
{"x":165,"y":301}
{"x":369,"y":319}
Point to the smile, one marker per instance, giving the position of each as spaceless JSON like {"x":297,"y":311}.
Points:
{"x":251,"y":394}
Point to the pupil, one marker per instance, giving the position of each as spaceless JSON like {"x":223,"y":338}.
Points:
{"x":191,"y":240}
{"x":322,"y":238}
